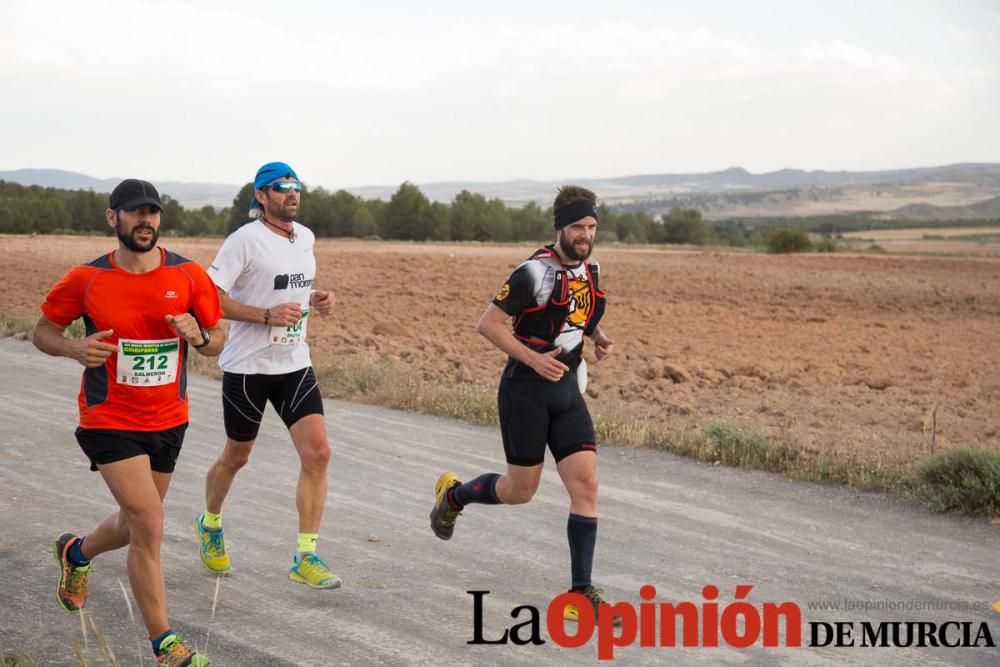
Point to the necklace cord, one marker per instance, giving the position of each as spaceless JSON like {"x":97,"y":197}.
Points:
{"x":290,"y":232}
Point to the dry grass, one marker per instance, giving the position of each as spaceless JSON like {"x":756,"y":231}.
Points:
{"x":916,"y":233}
{"x":395,"y":385}
{"x":739,"y":445}
{"x":22,"y":655}
{"x":21,"y":327}
{"x":17,"y":327}
{"x":202,"y":365}
{"x":951,"y":241}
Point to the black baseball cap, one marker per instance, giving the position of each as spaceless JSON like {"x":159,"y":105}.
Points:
{"x":132,"y":193}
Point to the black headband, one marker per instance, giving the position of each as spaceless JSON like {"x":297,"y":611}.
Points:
{"x":578,"y":210}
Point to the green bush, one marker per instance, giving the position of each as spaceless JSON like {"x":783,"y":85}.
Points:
{"x":685,"y":226}
{"x":966,"y":480}
{"x":826,"y":244}
{"x":782,"y":240}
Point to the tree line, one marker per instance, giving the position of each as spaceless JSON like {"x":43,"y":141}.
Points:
{"x":32,"y":209}
{"x":407,"y":215}
{"x":470,"y":216}
{"x":410,"y":215}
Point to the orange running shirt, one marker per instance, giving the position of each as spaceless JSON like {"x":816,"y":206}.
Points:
{"x":149,"y":391}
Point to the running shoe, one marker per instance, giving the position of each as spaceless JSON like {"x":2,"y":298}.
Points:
{"x":72,"y":591}
{"x":443,"y":515}
{"x":175,"y":653}
{"x":313,"y":572}
{"x":212,"y":548}
{"x":572,"y":613}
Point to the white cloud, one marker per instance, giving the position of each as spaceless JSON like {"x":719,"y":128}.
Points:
{"x":408,"y":101}
{"x":114,"y":41}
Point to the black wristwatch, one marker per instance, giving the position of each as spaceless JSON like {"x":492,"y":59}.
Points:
{"x":206,"y":338}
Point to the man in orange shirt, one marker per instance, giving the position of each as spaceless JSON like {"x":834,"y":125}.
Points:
{"x":144,"y":308}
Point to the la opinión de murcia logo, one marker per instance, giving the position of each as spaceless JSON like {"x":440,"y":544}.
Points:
{"x":654,"y":624}
{"x":707,"y":624}
{"x":901,"y":634}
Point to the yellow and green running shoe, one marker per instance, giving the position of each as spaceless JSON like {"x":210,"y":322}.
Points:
{"x":212,"y":548}
{"x":313,"y":572}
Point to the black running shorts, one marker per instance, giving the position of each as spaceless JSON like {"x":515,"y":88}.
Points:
{"x":294,"y":395}
{"x":103,"y":446}
{"x":534,"y":411}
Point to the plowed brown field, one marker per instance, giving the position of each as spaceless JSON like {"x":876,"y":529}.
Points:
{"x":840,"y":353}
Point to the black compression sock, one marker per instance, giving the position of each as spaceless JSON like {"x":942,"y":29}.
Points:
{"x":582,"y":534}
{"x":482,"y":489}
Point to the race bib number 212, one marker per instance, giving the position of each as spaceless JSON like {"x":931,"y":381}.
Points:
{"x":148,"y":363}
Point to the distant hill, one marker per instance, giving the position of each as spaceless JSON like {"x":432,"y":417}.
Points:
{"x":735,"y":179}
{"x":984,"y":210}
{"x":190,"y":195}
{"x":726,"y":193}
{"x":958,"y":191}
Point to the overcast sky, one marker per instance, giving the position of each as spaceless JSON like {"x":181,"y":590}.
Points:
{"x":356,"y":95}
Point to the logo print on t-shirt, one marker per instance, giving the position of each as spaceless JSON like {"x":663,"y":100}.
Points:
{"x":503,"y":293}
{"x":281,"y":281}
{"x":581,"y":303}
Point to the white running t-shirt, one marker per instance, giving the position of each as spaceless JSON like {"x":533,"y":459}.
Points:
{"x":259,"y":268}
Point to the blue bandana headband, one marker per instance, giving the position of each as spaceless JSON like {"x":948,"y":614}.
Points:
{"x":269,"y":173}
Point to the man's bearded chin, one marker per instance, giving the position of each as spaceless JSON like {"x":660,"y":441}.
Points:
{"x":279,"y":211}
{"x":131,"y":243}
{"x":570,"y":251}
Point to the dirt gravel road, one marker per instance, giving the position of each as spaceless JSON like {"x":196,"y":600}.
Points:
{"x":665,"y":521}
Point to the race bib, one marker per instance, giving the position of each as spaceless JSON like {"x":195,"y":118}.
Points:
{"x":148,"y":363}
{"x":293,"y":335}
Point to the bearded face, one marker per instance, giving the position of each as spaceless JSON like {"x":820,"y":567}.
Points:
{"x":278,"y":205}
{"x":575,"y":247}
{"x":138,"y":236}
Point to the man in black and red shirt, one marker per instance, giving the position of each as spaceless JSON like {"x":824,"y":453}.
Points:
{"x":555,"y":301}
{"x":144,"y":309}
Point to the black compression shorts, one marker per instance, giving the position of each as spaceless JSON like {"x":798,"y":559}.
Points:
{"x":103,"y":446}
{"x":534,"y":411}
{"x":294,"y":395}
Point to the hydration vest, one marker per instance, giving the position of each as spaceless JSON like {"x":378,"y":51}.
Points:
{"x":539,"y":326}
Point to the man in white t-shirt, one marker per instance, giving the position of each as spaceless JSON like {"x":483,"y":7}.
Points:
{"x":264,"y":273}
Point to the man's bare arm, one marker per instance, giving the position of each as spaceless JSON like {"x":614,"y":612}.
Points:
{"x":282,"y":315}
{"x":90,"y":352}
{"x":493,"y":326}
